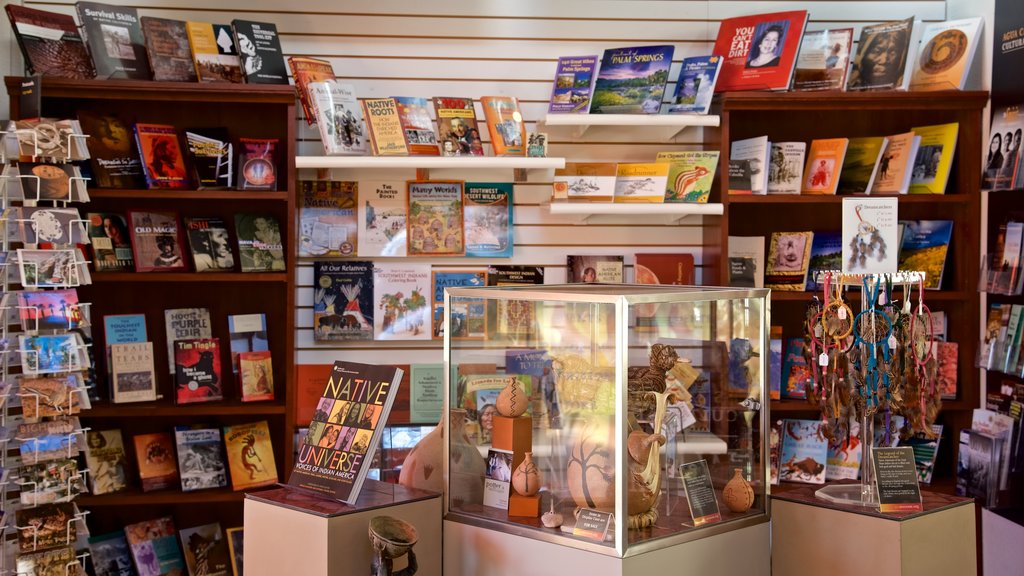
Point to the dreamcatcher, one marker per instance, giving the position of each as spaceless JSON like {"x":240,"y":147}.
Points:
{"x":867,"y":243}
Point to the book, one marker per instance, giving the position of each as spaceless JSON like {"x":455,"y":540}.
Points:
{"x":1002,"y":164}
{"x":113,"y":159}
{"x":154,"y":546}
{"x":156,"y":241}
{"x":823,"y":60}
{"x":947,"y":52}
{"x":468,"y":319}
{"x":236,"y":542}
{"x":400,"y":301}
{"x":983,"y":471}
{"x":50,"y":43}
{"x":632,"y":80}
{"x":748,"y":166}
{"x":1007,"y":262}
{"x":691,"y":175}
{"x":339,"y":118}
{"x":50,"y":310}
{"x":381,"y":215}
{"x":113,"y":35}
{"x":796,"y":374}
{"x":46,"y":526}
{"x":786,"y":167}
{"x":170,"y":56}
{"x":883,"y":52}
{"x":256,"y":376}
{"x":347,"y":286}
{"x":590,"y":269}
{"x":259,"y":50}
{"x":384,"y":127}
{"x":498,"y":478}
{"x":824,"y":163}
{"x":212,"y":156}
{"x":946,"y":354}
{"x":860,"y":166}
{"x":746,"y":261}
{"x":926,"y":449}
{"x":248,"y":333}
{"x":775,"y":367}
{"x":155,"y":455}
{"x":870,"y":231}
{"x":1000,"y":427}
{"x":934,"y":159}
{"x":789,"y":256}
{"x":327,"y":218}
{"x":200,"y":458}
{"x":210,"y":244}
{"x":803,"y":452}
{"x":259,"y":243}
{"x":641,"y":182}
{"x":488,"y":219}
{"x":206,"y":550}
{"x":457,"y":129}
{"x":505,"y":124}
{"x":759,"y":50}
{"x":162,"y":162}
{"x":895,"y":166}
{"x":133,"y":377}
{"x":366,"y":390}
{"x":185,"y":324}
{"x":574,"y":85}
{"x":110,"y":554}
{"x":826,"y":255}
{"x":417,"y":127}
{"x":585,"y":182}
{"x":197,"y":369}
{"x":695,"y":85}
{"x":435,"y":225}
{"x":677,"y":269}
{"x":512,"y":318}
{"x":306,"y":71}
{"x":214,"y":52}
{"x":257,"y":163}
{"x":250,"y":455}
{"x":105,"y":457}
{"x":52,"y":562}
{"x":924,"y":248}
{"x":844,"y":454}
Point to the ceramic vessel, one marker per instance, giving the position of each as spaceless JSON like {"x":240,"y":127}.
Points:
{"x":512,"y":400}
{"x":591,"y":470}
{"x":423,"y":468}
{"x":392,"y":536}
{"x":738,"y":495}
{"x":551,"y":519}
{"x":526,"y":478}
{"x":466,"y":466}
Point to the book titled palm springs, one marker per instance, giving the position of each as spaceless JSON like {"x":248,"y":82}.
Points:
{"x":114,"y":37}
{"x":335,"y":454}
{"x":260,"y":51}
{"x":574,"y":84}
{"x":632,"y":80}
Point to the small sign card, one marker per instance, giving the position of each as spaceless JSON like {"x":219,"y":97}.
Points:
{"x":499,"y":477}
{"x":870,"y":235}
{"x":700,"y":492}
{"x":896,"y":479}
{"x":592,"y":524}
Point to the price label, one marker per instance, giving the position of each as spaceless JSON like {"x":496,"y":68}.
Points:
{"x":842,"y":313}
{"x":892,"y":342}
{"x":823,"y":359}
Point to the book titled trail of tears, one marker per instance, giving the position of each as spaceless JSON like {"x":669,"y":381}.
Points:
{"x":336,"y":453}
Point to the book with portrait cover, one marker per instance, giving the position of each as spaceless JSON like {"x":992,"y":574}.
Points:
{"x":884,"y":53}
{"x":381,"y":214}
{"x":198,"y":376}
{"x":1004,"y":158}
{"x":339,"y":118}
{"x":384,"y":127}
{"x":691,"y":175}
{"x":256,"y":376}
{"x":895,"y":167}
{"x":200,"y":458}
{"x":436,"y":218}
{"x":162,"y":161}
{"x":823,"y":60}
{"x":696,"y":85}
{"x":632,"y":80}
{"x":488,"y":219}
{"x":155,"y":455}
{"x":934,"y":160}
{"x":170,"y":55}
{"x":154,"y":546}
{"x":327,"y":218}
{"x":185,"y":324}
{"x":206,"y":550}
{"x":248,"y":333}
{"x":947,"y":52}
{"x":457,"y":129}
{"x":105,"y":457}
{"x":414,"y":114}
{"x":924,"y":248}
{"x":512,"y":318}
{"x":110,"y":554}
{"x":759,"y":50}
{"x":250,"y":455}
{"x":211,"y":155}
{"x":257,"y":163}
{"x":789,"y":255}
{"x":112,"y":151}
{"x":157,"y":241}
{"x":210,"y":244}
{"x":860,"y":166}
{"x":214,"y":52}
{"x":826,"y":254}
{"x":401,"y":308}
{"x":824,"y":164}
{"x":259,"y":49}
{"x":343,"y":307}
{"x":306,"y":71}
{"x":803,"y":452}
{"x":467,"y":315}
{"x":113,"y":35}
{"x":50,"y":43}
{"x":334,"y":456}
{"x":589,"y":269}
{"x":844,"y":453}
{"x":259,"y":243}
{"x":505,"y":124}
{"x":574,"y":84}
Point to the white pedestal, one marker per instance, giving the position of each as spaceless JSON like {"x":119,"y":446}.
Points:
{"x":1002,"y":553}
{"x":291,"y":532}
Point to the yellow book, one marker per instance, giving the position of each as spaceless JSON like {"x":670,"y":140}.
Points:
{"x":641,"y":182}
{"x":385,"y":127}
{"x":934,"y":158}
{"x":947,"y":51}
{"x":250,"y":455}
{"x":585,"y":182}
{"x":214,"y":53}
{"x":824,"y":163}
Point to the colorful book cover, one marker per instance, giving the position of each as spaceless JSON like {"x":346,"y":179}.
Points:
{"x":691,"y":175}
{"x":414,"y":114}
{"x":114,"y":37}
{"x":826,"y":255}
{"x":105,"y":457}
{"x":804,"y":452}
{"x":870,"y":235}
{"x":1002,"y":163}
{"x":896,"y":164}
{"x":924,"y":249}
{"x":934,"y":158}
{"x":250,"y":455}
{"x":170,"y":55}
{"x":824,"y":164}
{"x":50,"y":43}
{"x":759,"y":50}
{"x":947,"y":51}
{"x":748,"y":165}
{"x":385,"y":127}
{"x":696,"y":85}
{"x":537,"y":364}
{"x":436,"y":218}
{"x":574,"y":85}
{"x":946,"y":353}
{"x":883,"y":52}
{"x":789,"y":255}
{"x":198,"y":376}
{"x":257,"y":163}
{"x":512,"y":318}
{"x":676,"y":269}
{"x":775,"y":368}
{"x":50,"y":310}
{"x":113,"y":156}
{"x":162,"y":161}
{"x":467,"y":316}
{"x":46,"y":526}
{"x":844,"y":454}
{"x":641,"y":182}
{"x":206,"y":550}
{"x":860,"y":166}
{"x":259,"y":243}
{"x":590,"y":269}
{"x":796,"y":374}
{"x":133,"y":376}
{"x":214,"y":52}
{"x":926,"y":449}
{"x":200,"y":458}
{"x":347,"y":286}
{"x":259,"y":50}
{"x":256,"y":376}
{"x":155,"y":455}
{"x":154,"y":546}
{"x":786,"y":167}
{"x":505,"y":124}
{"x":632,"y":80}
{"x":823,"y":60}
{"x":306,"y":71}
{"x":48,"y":562}
{"x":339,"y":117}
{"x":211,"y":156}
{"x":585,"y":182}
{"x":400,"y":302}
{"x":456,"y":127}
{"x":327,"y":218}
{"x":157,"y":241}
{"x":236,"y":542}
{"x":210,"y":244}
{"x":360,"y":396}
{"x":185,"y":324}
{"x":248,"y":333}
{"x":381,"y":215}
{"x":110,"y":554}
{"x":488,"y":219}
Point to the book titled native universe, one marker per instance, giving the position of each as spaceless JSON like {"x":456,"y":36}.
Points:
{"x":335,"y":454}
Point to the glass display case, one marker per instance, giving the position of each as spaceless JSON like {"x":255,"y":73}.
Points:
{"x":618,"y":419}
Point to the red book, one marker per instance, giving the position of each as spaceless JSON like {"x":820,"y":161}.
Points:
{"x":664,"y":269}
{"x":197,"y":372}
{"x":157,"y":241}
{"x":759,"y":51}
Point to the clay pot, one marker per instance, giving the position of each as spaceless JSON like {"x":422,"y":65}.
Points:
{"x":423,"y":467}
{"x":526,"y":478}
{"x":512,"y":400}
{"x":738,"y":495}
{"x":466,"y":466}
{"x":591,"y":470}
{"x":392,"y":536}
{"x":551,"y":519}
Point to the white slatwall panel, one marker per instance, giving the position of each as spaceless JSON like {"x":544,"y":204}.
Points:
{"x":471,"y":49}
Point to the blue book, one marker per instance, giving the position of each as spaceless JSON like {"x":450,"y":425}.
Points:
{"x":123,"y":329}
{"x":632,"y":80}
{"x":488,"y":219}
{"x":696,"y":85}
{"x":795,"y":371}
{"x":468,"y":317}
{"x":924,"y":248}
{"x":110,"y":554}
{"x":248,"y":334}
{"x":826,"y":254}
{"x":574,"y":83}
{"x":804,"y":452}
{"x":343,"y":305}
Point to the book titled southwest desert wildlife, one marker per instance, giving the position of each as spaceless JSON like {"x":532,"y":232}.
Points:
{"x":870,"y":235}
{"x":641,"y":182}
{"x":435,"y":226}
{"x":947,"y":51}
{"x":860,"y":166}
{"x":162,"y":161}
{"x":934,"y":159}
{"x":259,"y":243}
{"x":759,"y":50}
{"x":467,"y":314}
{"x":488,"y":219}
{"x":505,"y":125}
{"x":823,"y":60}
{"x":924,"y":249}
{"x":804,"y":452}
{"x":250,"y":455}
{"x":114,"y":37}
{"x":824,"y":163}
{"x":789,"y":255}
{"x":306,"y":71}
{"x":50,"y":43}
{"x":883,"y":54}
{"x":327,"y":218}
{"x":339,"y":117}
{"x":632,"y":80}
{"x":585,"y":182}
{"x":786,"y":167}
{"x":214,"y":52}
{"x":170,"y":56}
{"x":112,"y":155}
{"x":574,"y":85}
{"x":384,"y":127}
{"x":157,"y":241}
{"x":690,"y":175}
{"x":381,"y":215}
{"x":334,"y":456}
{"x":259,"y":51}
{"x":343,"y":301}
{"x":414,"y":113}
{"x":401,"y":308}
{"x":457,"y":129}
{"x":696,"y":85}
{"x":748,"y":166}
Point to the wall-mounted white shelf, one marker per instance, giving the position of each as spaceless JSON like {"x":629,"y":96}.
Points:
{"x":430,"y":162}
{"x":591,"y":212}
{"x":665,"y":126}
